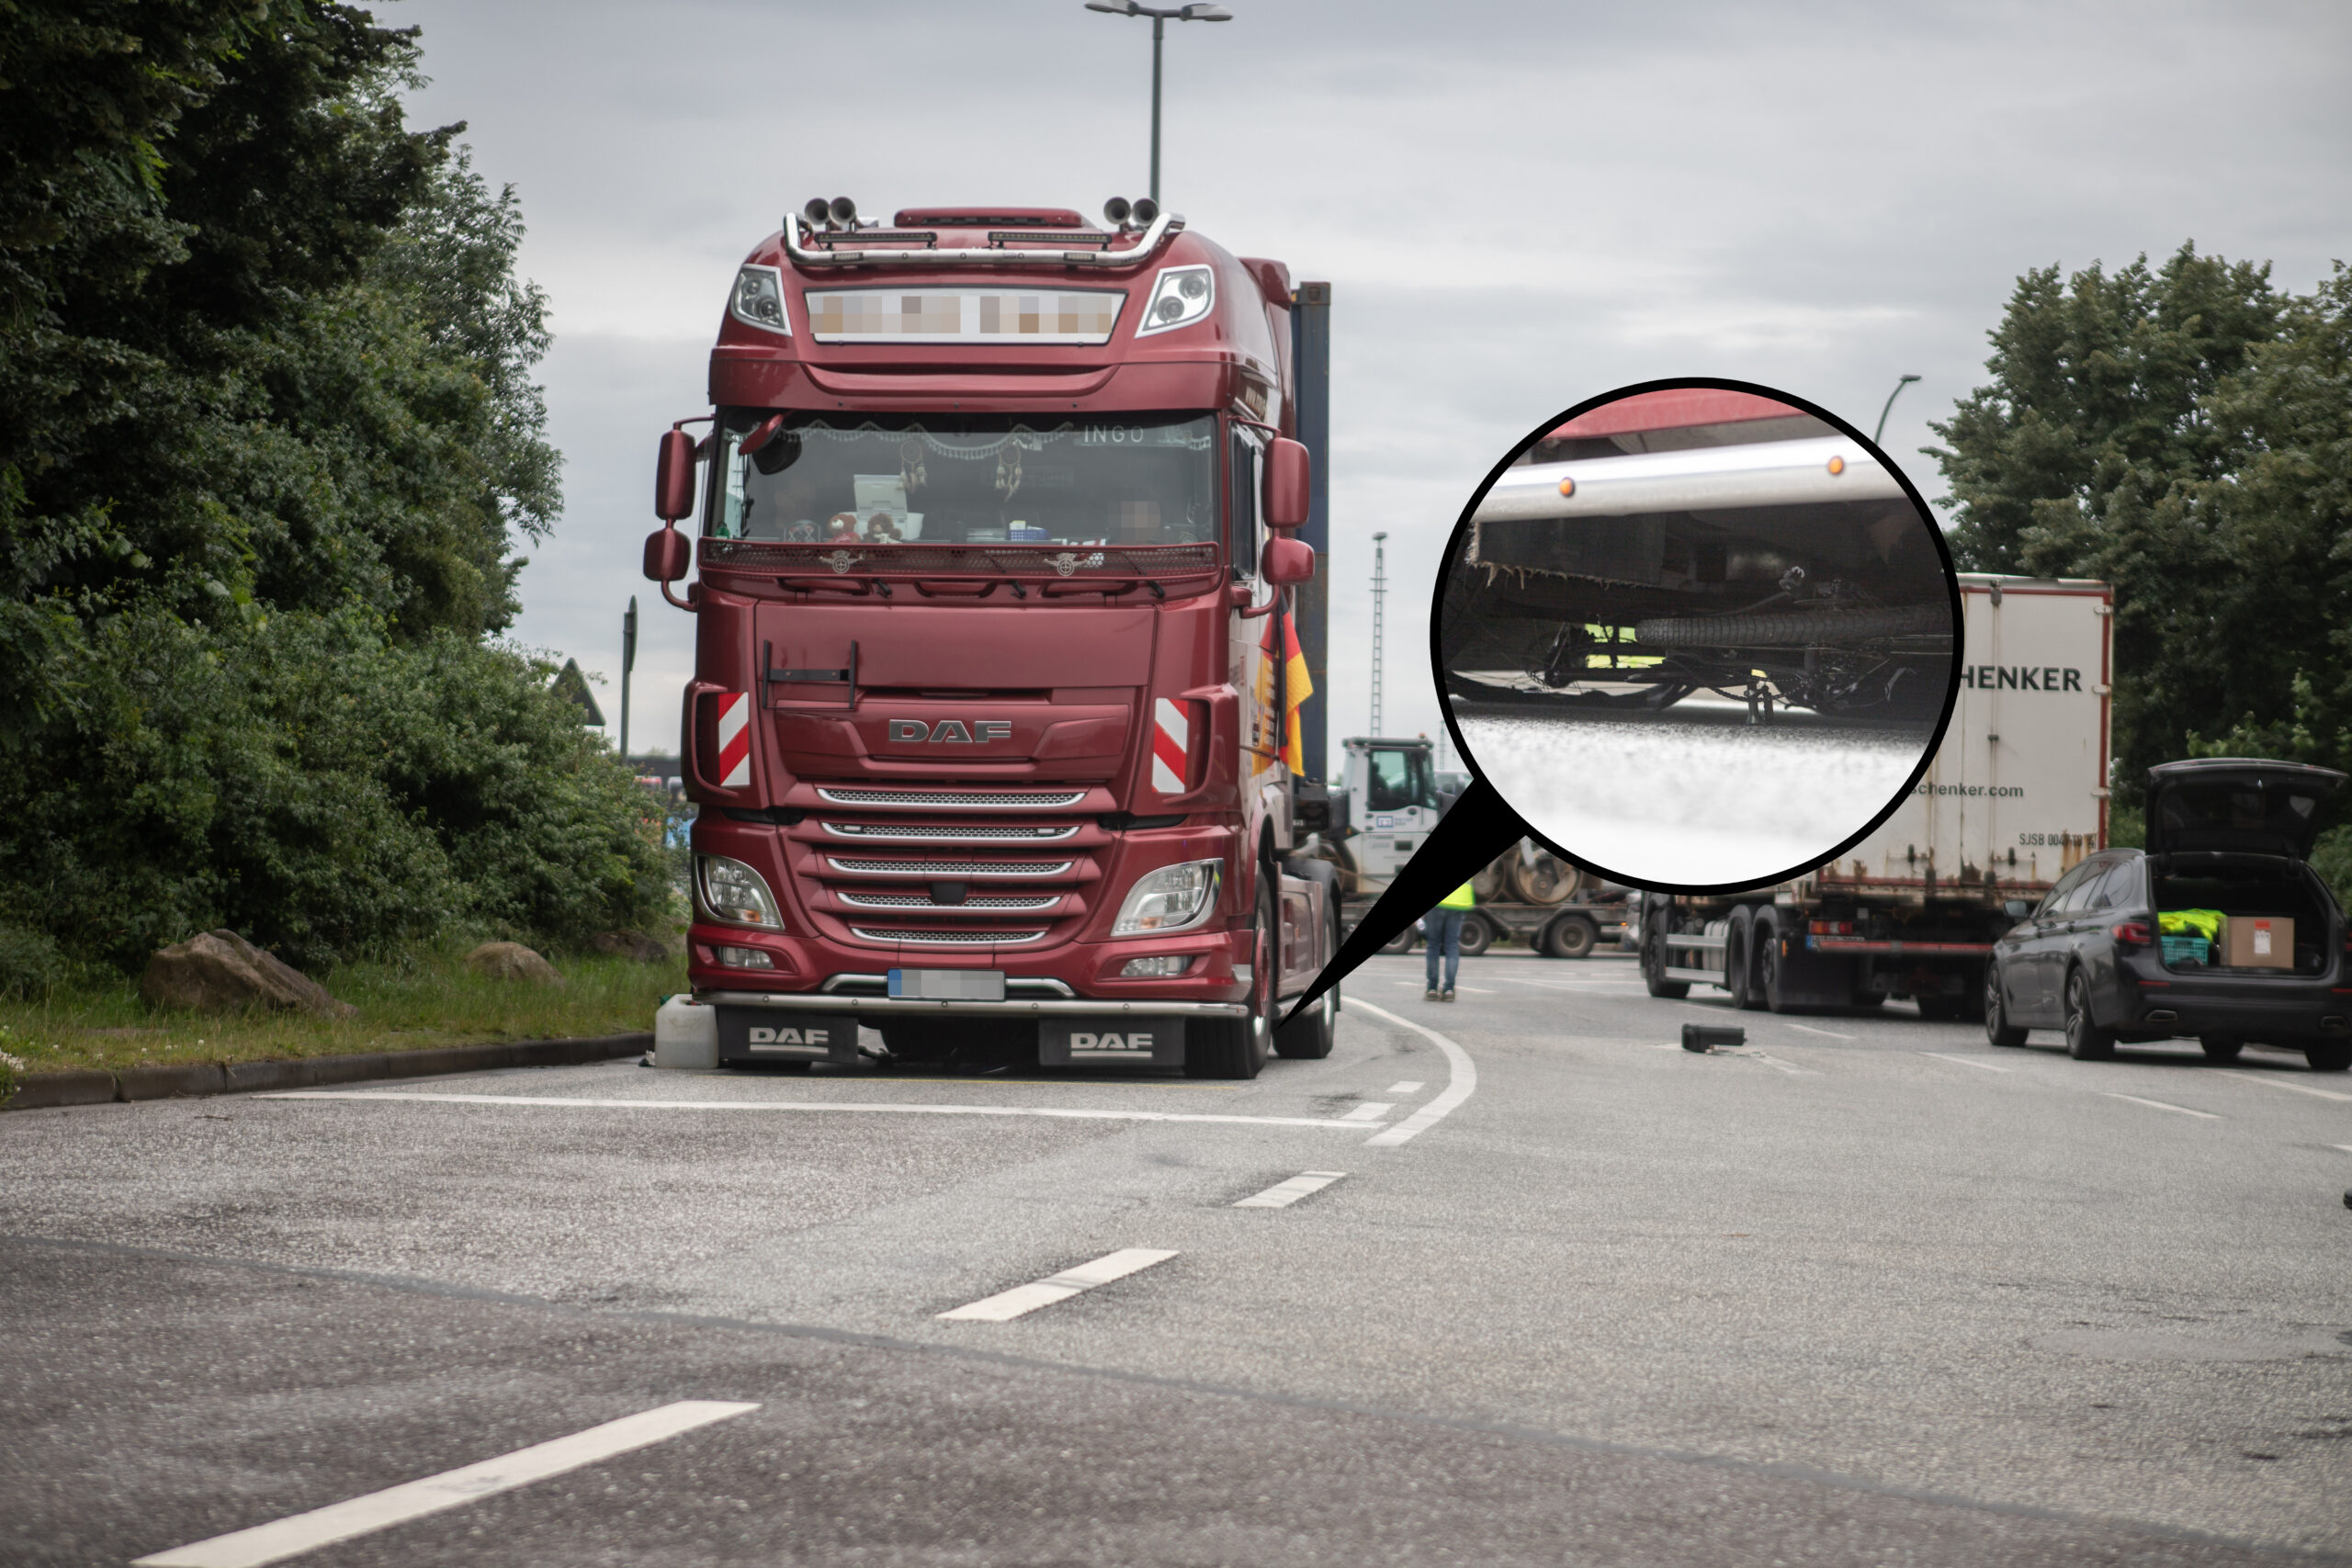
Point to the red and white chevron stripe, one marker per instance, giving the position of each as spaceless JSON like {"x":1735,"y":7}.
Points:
{"x":735,"y":740}
{"x":1171,"y":746}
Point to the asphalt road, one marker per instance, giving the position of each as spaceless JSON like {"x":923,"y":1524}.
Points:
{"x":1865,"y":1292}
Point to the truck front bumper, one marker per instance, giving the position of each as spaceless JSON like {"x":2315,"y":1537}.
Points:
{"x":822,"y":1026}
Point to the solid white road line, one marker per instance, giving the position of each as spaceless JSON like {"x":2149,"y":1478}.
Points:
{"x":1006,"y":1305}
{"x":1831,"y":1032}
{"x":1964,"y":1062}
{"x":1370,"y":1111}
{"x":2289,"y":1085}
{"x":1460,"y":1085}
{"x":2346,"y":1147}
{"x":1283,"y":1194}
{"x":340,"y":1521}
{"x":1408,"y":1086}
{"x":1060,"y":1112}
{"x":2160,"y":1105}
{"x":1479,"y":990}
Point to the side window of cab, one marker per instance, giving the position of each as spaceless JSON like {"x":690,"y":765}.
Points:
{"x":1241,"y":523}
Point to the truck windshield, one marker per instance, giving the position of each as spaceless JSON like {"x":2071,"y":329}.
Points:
{"x":1401,"y":779}
{"x":949,"y":478}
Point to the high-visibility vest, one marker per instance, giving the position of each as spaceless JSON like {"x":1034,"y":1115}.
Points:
{"x":1460,"y":898}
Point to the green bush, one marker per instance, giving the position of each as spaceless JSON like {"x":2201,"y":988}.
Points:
{"x":31,"y":963}
{"x":323,"y":790}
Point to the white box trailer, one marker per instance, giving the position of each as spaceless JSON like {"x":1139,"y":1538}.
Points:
{"x":2016,"y":794}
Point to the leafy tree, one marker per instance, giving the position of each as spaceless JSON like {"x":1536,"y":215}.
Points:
{"x":268,"y":437}
{"x":2185,"y":433}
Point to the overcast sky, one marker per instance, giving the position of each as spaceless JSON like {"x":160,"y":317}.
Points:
{"x":1519,"y":206}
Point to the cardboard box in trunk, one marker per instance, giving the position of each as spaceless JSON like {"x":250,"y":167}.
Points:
{"x":2258,"y":942}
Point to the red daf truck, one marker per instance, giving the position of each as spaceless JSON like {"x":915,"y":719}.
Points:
{"x":994,"y":655}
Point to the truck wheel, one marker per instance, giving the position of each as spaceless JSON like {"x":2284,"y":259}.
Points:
{"x":1739,"y":970}
{"x":1654,"y":965}
{"x":1308,"y":1036}
{"x":1998,"y":1030}
{"x":1771,"y":969}
{"x":2333,"y":1056}
{"x":1403,"y":941}
{"x":1476,"y":935}
{"x":1237,"y":1047}
{"x":1570,"y":936}
{"x":2085,"y":1041}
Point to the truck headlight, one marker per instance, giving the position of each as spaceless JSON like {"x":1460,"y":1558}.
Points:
{"x":1169,"y":899}
{"x":1182,"y":296}
{"x":734,"y":892}
{"x":758,"y":299}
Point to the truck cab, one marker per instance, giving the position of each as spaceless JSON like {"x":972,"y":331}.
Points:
{"x":995,"y":517}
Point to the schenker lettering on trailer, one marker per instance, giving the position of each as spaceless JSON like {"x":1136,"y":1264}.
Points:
{"x":2020,"y":677}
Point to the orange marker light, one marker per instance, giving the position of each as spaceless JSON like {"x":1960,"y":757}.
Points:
{"x":1567,"y":487}
{"x":1836,"y":465}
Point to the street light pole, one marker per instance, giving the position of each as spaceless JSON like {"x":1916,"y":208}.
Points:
{"x":1890,"y":407}
{"x":1159,"y":20}
{"x":628,"y":663}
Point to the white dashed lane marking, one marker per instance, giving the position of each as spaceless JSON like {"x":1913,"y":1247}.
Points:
{"x":1370,"y":1111}
{"x":2268,"y":1082}
{"x":1408,"y":1086}
{"x":1830,"y":1033}
{"x":1965,"y":1062}
{"x":298,"y":1533}
{"x":2160,"y":1105}
{"x":1283,"y":1194}
{"x":1006,"y":1305}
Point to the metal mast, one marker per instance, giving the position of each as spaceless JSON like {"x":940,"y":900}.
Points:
{"x":1379,"y":609}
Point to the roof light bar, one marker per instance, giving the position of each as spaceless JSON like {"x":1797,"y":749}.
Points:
{"x":1164,"y":226}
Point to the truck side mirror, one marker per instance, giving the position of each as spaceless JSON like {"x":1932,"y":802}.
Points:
{"x":1286,"y":561}
{"x":1288,"y":469}
{"x":674,"y":484}
{"x":665,"y":554}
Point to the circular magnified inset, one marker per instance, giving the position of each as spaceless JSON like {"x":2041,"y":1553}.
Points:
{"x":1700,"y":634}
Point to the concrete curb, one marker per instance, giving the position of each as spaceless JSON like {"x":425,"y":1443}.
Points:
{"x":84,"y":1086}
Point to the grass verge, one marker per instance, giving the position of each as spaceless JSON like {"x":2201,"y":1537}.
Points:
{"x":416,"y":999}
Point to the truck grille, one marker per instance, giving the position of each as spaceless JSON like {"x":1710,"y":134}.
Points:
{"x":949,"y":868}
{"x":925,"y":901}
{"x":975,"y":833}
{"x":978,"y":936}
{"x":861,"y":866}
{"x":949,"y":800}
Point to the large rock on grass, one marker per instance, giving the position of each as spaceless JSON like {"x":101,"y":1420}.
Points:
{"x":512,"y":961}
{"x":629,"y":944}
{"x":221,"y":972}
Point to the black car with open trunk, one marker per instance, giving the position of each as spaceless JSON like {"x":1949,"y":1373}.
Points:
{"x":2218,"y":930}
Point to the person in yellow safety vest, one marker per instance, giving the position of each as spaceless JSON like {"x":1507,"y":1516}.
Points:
{"x":1442,"y":930}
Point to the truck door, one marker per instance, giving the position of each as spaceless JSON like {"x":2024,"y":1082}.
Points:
{"x":1253,"y":671}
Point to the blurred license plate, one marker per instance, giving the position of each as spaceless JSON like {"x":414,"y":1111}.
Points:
{"x":948,"y":985}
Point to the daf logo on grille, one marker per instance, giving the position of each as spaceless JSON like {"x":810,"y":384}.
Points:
{"x":949,"y":731}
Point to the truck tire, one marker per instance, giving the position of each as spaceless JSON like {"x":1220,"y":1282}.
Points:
{"x":2085,"y":1041}
{"x":1570,"y":936}
{"x":1308,"y":1036}
{"x":1739,"y":963}
{"x":1771,"y":967}
{"x":1238,"y":1047}
{"x":1793,"y":628}
{"x":1478,"y":935}
{"x":1654,"y":964}
{"x":1403,"y":941}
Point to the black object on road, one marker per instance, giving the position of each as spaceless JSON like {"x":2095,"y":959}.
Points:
{"x":1704,"y":1037}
